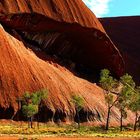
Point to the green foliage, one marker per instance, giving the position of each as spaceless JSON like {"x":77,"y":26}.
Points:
{"x":109,"y":98}
{"x":38,"y":96}
{"x":128,"y":87}
{"x":126,"y":93}
{"x":107,"y":82}
{"x":30,"y":110}
{"x":130,"y":93}
{"x":121,"y":103}
{"x":26,"y":95}
{"x":129,"y":97}
{"x":128,"y":90}
{"x":35,"y":97}
{"x":78,"y":101}
{"x":134,"y":104}
{"x":31,"y":102}
{"x":127,"y":80}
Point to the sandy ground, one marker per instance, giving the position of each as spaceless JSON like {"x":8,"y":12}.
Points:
{"x":88,"y":139}
{"x":60,"y":138}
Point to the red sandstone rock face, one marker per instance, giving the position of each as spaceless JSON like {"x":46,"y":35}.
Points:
{"x":65,"y":29}
{"x":73,"y":18}
{"x":64,"y":11}
{"x":125,"y":33}
{"x":22,"y":70}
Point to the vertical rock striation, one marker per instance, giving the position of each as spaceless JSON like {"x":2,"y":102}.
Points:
{"x":36,"y":38}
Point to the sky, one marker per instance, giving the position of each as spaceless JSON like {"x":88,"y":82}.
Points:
{"x":114,"y":8}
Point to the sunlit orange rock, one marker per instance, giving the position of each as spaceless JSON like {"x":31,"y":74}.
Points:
{"x":36,"y":37}
{"x":23,"y":70}
{"x":72,"y":18}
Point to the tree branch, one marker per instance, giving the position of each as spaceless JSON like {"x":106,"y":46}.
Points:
{"x":114,"y":102}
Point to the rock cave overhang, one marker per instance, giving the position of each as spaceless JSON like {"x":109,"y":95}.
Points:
{"x":94,"y":48}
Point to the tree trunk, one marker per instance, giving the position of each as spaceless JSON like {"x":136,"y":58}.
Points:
{"x":78,"y":119}
{"x":38,"y":121}
{"x":52,"y":118}
{"x":87,"y":117}
{"x":18,"y":111}
{"x":13,"y":115}
{"x":108,"y":117}
{"x":135,"y":124}
{"x":31,"y":119}
{"x":139,"y":122}
{"x":121,"y":121}
{"x":28,"y":122}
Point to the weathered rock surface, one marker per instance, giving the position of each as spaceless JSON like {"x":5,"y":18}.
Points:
{"x":36,"y":38}
{"x":71,"y":18}
{"x":22,"y":70}
{"x":125,"y":33}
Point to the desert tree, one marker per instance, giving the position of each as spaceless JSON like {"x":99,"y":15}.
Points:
{"x":78,"y":101}
{"x":29,"y":110}
{"x":132,"y":94}
{"x":126,"y":91}
{"x":128,"y":82}
{"x":31,"y":103}
{"x":108,"y":83}
{"x":134,"y":105}
{"x":37,"y":98}
{"x":125,"y":96}
{"x":122,"y":106}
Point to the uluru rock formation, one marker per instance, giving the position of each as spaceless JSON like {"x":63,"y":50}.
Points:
{"x":41,"y":44}
{"x":70,"y":18}
{"x":125,"y":33}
